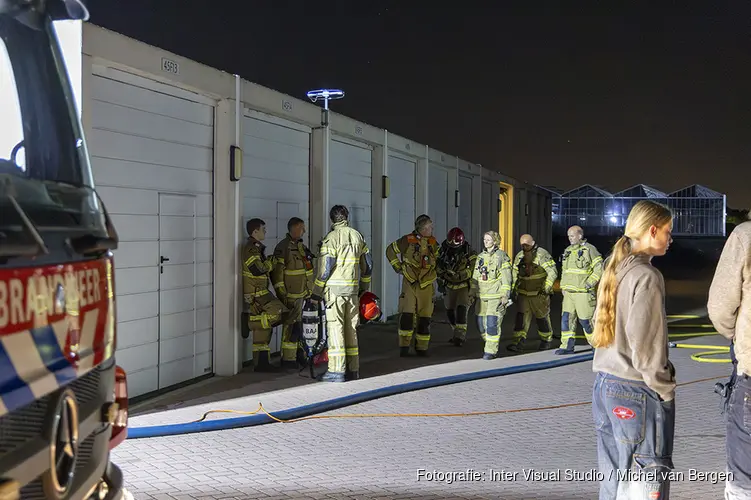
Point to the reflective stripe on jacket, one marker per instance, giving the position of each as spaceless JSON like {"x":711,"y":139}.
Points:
{"x":455,"y":265}
{"x":293,"y":274}
{"x":492,"y":277}
{"x":536,"y":275}
{"x":581,"y":268}
{"x":344,"y":262}
{"x":419,"y":256}
{"x":255,"y":270}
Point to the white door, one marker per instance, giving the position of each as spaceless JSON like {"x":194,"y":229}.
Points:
{"x":275,"y":185}
{"x":438,"y":200}
{"x":401,"y":220}
{"x":465,"y":209}
{"x":350,"y":183}
{"x":149,"y":138}
{"x":185,"y":342}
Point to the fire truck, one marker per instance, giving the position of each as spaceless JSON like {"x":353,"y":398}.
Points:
{"x":63,"y":399}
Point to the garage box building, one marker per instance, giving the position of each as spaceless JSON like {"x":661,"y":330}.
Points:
{"x":160,"y":128}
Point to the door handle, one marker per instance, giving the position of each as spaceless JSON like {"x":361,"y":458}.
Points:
{"x":163,"y":259}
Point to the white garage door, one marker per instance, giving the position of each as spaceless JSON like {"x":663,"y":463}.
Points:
{"x":438,"y":200}
{"x":490,"y":193}
{"x":465,"y":209}
{"x":152,"y":156}
{"x":275,"y":185}
{"x":350,"y":184}
{"x":401,"y":220}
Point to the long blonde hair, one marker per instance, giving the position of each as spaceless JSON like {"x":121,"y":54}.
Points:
{"x":643,"y":215}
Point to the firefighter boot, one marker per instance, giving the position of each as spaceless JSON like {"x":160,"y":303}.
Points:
{"x":352,"y":375}
{"x":404,"y":352}
{"x":332,"y":377}
{"x":546,"y":334}
{"x":517,"y":346}
{"x":264,"y":364}
{"x":521,"y":326}
{"x":451,"y":315}
{"x":422,"y":336}
{"x":569,"y":349}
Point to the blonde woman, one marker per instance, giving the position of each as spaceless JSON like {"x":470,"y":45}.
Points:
{"x":491,"y":287}
{"x":632,"y":400}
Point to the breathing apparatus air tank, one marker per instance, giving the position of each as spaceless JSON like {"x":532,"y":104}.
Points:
{"x":314,"y":333}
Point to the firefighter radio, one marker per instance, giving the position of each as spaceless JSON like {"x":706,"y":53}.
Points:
{"x":483,"y":269}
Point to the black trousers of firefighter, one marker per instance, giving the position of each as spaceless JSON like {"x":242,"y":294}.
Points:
{"x":457,"y":302}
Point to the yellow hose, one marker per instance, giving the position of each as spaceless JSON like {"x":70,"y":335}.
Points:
{"x":699,"y":357}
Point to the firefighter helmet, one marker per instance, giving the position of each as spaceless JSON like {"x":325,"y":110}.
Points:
{"x":455,"y":237}
{"x":370,"y":310}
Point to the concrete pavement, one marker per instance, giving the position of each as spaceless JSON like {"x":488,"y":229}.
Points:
{"x":425,"y":457}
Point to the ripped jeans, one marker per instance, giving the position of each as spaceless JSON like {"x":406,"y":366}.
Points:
{"x":635,"y":432}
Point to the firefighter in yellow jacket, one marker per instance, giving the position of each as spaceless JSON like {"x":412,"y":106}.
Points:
{"x":534,"y":274}
{"x":262,"y":310}
{"x":581,"y":270}
{"x":419,"y":255}
{"x":344,"y":270}
{"x":491,"y":287}
{"x":456,"y":260}
{"x":292,"y":278}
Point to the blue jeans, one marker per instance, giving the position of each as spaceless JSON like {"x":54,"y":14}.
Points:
{"x":738,"y":441}
{"x":635,"y":432}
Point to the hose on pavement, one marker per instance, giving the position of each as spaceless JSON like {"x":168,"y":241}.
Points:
{"x":258,"y":418}
{"x":308,"y":412}
{"x":710,"y":350}
{"x":261,"y":416}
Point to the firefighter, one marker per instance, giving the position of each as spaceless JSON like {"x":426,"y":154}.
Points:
{"x":292,"y":278}
{"x":581,"y":270}
{"x":456,"y":260}
{"x":262,"y":310}
{"x":534,"y":273}
{"x":419,"y":253}
{"x":491,"y":285}
{"x":344,"y":270}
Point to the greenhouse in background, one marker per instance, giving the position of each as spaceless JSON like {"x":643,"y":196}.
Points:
{"x":699,"y":211}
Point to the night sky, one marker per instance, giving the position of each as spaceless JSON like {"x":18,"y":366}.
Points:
{"x":612,"y":96}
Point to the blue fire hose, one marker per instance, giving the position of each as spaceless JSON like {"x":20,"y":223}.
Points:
{"x":341,"y":402}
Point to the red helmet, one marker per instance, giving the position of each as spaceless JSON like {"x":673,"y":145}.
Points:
{"x":455,"y":237}
{"x":370,"y":310}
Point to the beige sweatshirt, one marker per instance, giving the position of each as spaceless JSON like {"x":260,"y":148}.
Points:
{"x":729,"y":304}
{"x":640,"y":349}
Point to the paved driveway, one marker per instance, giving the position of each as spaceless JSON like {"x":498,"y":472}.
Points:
{"x":532,"y":454}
